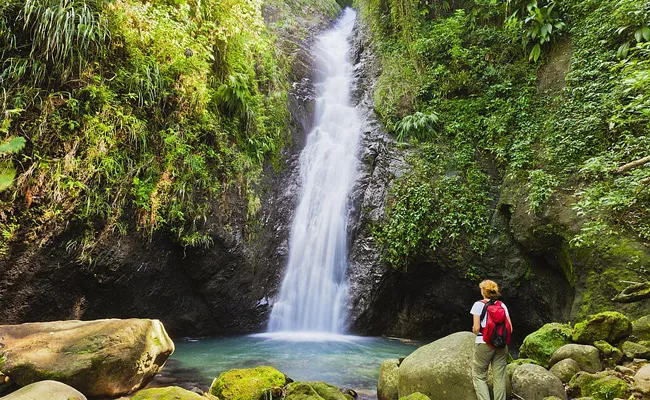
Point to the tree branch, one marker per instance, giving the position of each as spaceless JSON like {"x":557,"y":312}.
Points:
{"x":633,"y":164}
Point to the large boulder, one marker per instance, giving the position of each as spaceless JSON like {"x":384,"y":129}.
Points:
{"x":565,"y":369}
{"x":587,"y":357}
{"x":603,"y":385}
{"x":641,"y":328}
{"x":246,"y":384}
{"x":441,"y":370}
{"x":50,"y":390}
{"x":642,"y":380}
{"x":610,"y":326}
{"x":167,"y":393}
{"x":533,"y":382}
{"x":106,"y":358}
{"x":387,"y":384}
{"x":541,"y":344}
{"x":313,"y":391}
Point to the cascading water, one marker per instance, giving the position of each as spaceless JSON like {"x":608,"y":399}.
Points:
{"x":313,"y":294}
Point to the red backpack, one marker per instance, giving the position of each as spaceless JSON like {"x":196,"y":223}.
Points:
{"x":497,"y":330}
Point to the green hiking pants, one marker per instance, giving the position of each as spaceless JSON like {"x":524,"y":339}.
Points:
{"x":483,"y":356}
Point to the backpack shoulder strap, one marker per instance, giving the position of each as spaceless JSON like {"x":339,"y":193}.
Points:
{"x":485,"y":307}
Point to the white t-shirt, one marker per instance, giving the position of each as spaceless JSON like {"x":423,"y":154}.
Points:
{"x":477,"y":309}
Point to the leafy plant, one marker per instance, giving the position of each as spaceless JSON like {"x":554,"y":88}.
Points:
{"x":418,"y":125}
{"x":543,"y":25}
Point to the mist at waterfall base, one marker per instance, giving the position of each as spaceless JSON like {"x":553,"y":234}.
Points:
{"x":306,"y":334}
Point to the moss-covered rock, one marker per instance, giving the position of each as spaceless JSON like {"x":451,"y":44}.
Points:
{"x":641,"y":328}
{"x":50,"y":390}
{"x":600,"y":386}
{"x":415,"y":396}
{"x":167,"y":393}
{"x":587,"y":357}
{"x":313,"y":390}
{"x":102,"y":358}
{"x":246,"y":384}
{"x":611,"y":355}
{"x":634,"y":350}
{"x":541,"y":344}
{"x":387,"y":384}
{"x":610,"y":326}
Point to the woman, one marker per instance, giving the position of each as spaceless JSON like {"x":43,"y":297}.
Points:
{"x":485,"y":355}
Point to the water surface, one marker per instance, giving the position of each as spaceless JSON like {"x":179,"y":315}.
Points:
{"x":345,"y":361}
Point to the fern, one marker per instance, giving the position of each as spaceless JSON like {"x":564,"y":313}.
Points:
{"x":419,"y":125}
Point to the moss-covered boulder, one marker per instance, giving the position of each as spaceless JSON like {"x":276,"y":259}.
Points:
{"x":415,"y":396}
{"x":541,"y":344}
{"x":610,"y":326}
{"x":534,"y":382}
{"x":50,"y":390}
{"x":102,"y":358}
{"x":565,"y":369}
{"x":246,"y":384}
{"x":313,"y":391}
{"x":611,"y":355}
{"x":587,"y":357}
{"x":641,"y":328}
{"x":634,"y":350}
{"x":603,"y":385}
{"x":387,"y":384}
{"x":167,"y":393}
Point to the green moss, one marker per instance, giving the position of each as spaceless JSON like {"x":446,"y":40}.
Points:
{"x":610,"y":326}
{"x":313,"y":390}
{"x":415,"y":396}
{"x":641,"y":328}
{"x":246,"y":384}
{"x":167,"y":393}
{"x":24,"y":374}
{"x":599,"y":386}
{"x":611,"y":355}
{"x":541,"y":344}
{"x":634,"y":350}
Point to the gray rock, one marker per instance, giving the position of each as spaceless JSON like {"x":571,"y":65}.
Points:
{"x":440,"y":370}
{"x":624,"y":370}
{"x":533,"y":382}
{"x":642,"y":380}
{"x":565,"y":369}
{"x":587,"y":357}
{"x":635,"y":350}
{"x":101,"y":358}
{"x":387,"y":385}
{"x":50,"y":390}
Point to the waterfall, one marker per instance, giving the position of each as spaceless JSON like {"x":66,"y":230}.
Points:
{"x":313,"y":294}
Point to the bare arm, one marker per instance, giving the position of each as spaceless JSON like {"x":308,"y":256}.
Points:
{"x":511,"y":328}
{"x":476,"y":328}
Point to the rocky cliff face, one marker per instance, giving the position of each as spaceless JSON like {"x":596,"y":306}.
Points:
{"x":220,"y":290}
{"x":542,"y":277}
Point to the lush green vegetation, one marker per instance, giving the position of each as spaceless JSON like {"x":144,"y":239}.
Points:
{"x":460,"y":83}
{"x":138,"y":115}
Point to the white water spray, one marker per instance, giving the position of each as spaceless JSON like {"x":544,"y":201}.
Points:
{"x":313,"y":294}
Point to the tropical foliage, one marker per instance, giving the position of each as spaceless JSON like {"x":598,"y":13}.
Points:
{"x":476,"y":65}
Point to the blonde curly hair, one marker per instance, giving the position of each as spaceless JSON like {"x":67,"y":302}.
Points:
{"x":490,"y":289}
